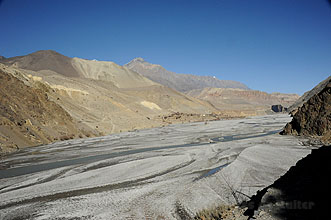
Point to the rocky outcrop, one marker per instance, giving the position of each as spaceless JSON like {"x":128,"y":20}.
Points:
{"x":313,"y":118}
{"x":305,"y":97}
{"x":303,"y":192}
{"x":278,"y":108}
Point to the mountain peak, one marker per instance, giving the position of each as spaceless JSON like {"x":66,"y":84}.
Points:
{"x":138,"y":59}
{"x":135,"y":61}
{"x":44,"y":60}
{"x":46,"y":52}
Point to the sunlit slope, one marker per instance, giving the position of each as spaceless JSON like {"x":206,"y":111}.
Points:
{"x":110,"y":71}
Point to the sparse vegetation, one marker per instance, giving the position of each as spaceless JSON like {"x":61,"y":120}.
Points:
{"x":218,"y":213}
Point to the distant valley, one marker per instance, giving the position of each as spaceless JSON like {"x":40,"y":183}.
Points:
{"x":101,"y":97}
{"x":166,"y":171}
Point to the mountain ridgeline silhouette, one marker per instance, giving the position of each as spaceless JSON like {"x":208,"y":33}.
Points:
{"x":179,"y":82}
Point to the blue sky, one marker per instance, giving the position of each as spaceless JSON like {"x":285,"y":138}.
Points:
{"x":270,"y":45}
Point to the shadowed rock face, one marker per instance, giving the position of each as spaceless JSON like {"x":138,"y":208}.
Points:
{"x":314,"y":117}
{"x":278,"y":108}
{"x":302,"y":193}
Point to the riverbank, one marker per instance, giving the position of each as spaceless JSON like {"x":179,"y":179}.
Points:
{"x":149,"y":173}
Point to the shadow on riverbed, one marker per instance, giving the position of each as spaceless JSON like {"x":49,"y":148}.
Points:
{"x":302,"y":193}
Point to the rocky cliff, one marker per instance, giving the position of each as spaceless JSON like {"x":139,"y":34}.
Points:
{"x":313,"y":118}
{"x":302,"y":193}
{"x":305,"y":97}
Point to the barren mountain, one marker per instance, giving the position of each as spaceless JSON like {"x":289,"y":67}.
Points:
{"x":109,"y":109}
{"x":76,"y":67}
{"x":120,"y":76}
{"x":247,"y":102}
{"x":179,"y":82}
{"x":102,"y":97}
{"x":44,"y":60}
{"x":27,"y":115}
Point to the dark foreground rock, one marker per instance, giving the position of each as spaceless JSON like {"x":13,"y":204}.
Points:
{"x":302,"y":193}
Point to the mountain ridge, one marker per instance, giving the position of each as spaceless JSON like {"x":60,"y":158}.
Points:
{"x":179,"y":81}
{"x":246,"y":101}
{"x":43,"y":60}
{"x":50,"y":60}
{"x":89,"y":105}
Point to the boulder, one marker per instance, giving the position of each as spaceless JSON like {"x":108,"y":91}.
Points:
{"x":278,"y":108}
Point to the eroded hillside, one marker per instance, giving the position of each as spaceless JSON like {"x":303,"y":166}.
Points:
{"x":28,"y":117}
{"x":245,"y":102}
{"x":105,"y":98}
{"x":110,"y":99}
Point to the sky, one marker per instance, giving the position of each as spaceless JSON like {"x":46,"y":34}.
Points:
{"x":270,"y":45}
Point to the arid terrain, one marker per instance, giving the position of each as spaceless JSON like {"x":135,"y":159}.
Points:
{"x":114,"y":144}
{"x":165,"y":110}
{"x":302,"y":192}
{"x":28,"y":116}
{"x":101,"y":98}
{"x":159,"y":173}
{"x":244,"y":102}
